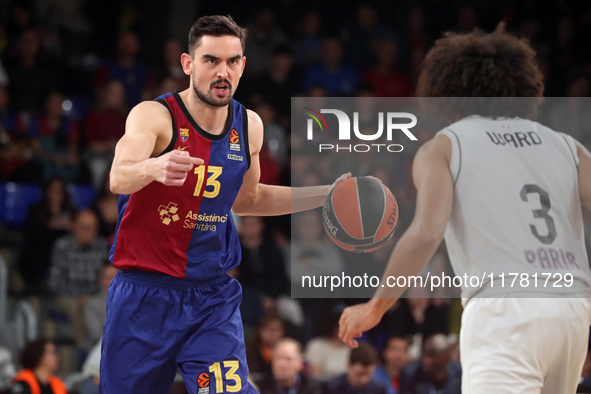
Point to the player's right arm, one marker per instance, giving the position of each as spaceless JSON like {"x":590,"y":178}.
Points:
{"x":148,"y":132}
{"x":434,"y":184}
{"x":584,"y":175}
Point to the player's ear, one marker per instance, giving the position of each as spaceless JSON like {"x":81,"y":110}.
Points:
{"x":186,"y":62}
{"x":243,"y":64}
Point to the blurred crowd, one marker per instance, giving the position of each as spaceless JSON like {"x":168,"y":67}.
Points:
{"x":70,"y":71}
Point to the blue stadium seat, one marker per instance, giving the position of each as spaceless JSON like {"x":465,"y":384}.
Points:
{"x":15,"y":200}
{"x":82,"y":196}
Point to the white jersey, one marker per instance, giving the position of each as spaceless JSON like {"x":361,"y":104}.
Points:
{"x":516,"y":210}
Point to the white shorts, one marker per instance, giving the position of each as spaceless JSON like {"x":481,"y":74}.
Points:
{"x":523,"y":345}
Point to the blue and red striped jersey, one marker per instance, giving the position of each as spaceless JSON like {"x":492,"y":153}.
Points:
{"x":188,"y":231}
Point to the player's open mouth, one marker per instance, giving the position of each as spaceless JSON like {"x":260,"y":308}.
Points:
{"x":221,"y":89}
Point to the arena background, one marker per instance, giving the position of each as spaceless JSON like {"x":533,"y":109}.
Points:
{"x":70,"y":71}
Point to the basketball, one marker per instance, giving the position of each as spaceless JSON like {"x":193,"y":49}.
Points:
{"x":360,"y":214}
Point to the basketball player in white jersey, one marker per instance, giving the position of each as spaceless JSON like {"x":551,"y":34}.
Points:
{"x":506,"y":194}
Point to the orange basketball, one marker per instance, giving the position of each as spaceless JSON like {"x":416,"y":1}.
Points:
{"x":360,"y":214}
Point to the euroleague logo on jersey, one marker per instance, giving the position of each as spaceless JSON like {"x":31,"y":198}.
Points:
{"x":234,"y":141}
{"x":203,"y":383}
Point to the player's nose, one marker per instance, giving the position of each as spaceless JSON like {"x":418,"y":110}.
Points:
{"x":222,"y":71}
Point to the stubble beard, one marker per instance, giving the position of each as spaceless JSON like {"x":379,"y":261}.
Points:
{"x":209,"y":99}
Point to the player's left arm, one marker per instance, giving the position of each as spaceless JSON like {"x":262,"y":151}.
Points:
{"x":259,"y":199}
{"x":417,"y":245}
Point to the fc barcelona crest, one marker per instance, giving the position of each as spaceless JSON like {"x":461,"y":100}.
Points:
{"x":184,"y":134}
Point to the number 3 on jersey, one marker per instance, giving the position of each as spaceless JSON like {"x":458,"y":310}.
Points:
{"x":541,"y":213}
{"x":213,"y":173}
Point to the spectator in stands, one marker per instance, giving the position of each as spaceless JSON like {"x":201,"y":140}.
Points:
{"x":94,"y":312}
{"x":278,"y":85}
{"x":126,"y":68}
{"x":262,"y":266}
{"x":91,"y":370}
{"x":20,"y":18}
{"x":259,"y":350}
{"x":327,"y":355}
{"x":68,"y":22}
{"x":273,"y":153}
{"x":169,"y":67}
{"x":310,"y":250}
{"x":263,"y":36}
{"x":7,"y":370}
{"x":358,"y":379}
{"x":433,"y":372}
{"x":385,"y":79}
{"x":15,"y":150}
{"x":287,"y":376}
{"x":76,"y":262}
{"x":31,"y":79}
{"x":54,"y":138}
{"x":103,"y":127}
{"x":307,"y":46}
{"x":362,"y":35}
{"x":40,"y":361}
{"x":106,"y":208}
{"x":418,"y":40}
{"x":395,"y":356}
{"x":336,"y":78}
{"x":46,"y":221}
{"x":252,"y":310}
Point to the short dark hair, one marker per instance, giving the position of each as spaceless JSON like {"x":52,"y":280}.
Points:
{"x":33,"y":352}
{"x":216,"y":26}
{"x":365,"y":354}
{"x":479,"y":64}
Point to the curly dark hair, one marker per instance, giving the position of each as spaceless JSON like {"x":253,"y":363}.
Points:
{"x":217,"y":26}
{"x":479,"y":64}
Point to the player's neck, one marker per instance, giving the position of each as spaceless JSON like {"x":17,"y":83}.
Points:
{"x":209,"y":118}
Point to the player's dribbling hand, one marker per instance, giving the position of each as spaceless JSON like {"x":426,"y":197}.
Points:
{"x":340,"y":179}
{"x":354,"y":321}
{"x":172,"y":168}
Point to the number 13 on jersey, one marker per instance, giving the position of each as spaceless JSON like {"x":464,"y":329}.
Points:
{"x":232,"y":366}
{"x":213,"y":172}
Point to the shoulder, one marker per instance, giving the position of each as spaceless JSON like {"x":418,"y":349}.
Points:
{"x":309,"y":386}
{"x":410,"y":369}
{"x":381,"y":373}
{"x":150,"y":107}
{"x":149,"y":113}
{"x":66,"y":242}
{"x":336,"y":383}
{"x":375,"y":386}
{"x":438,"y":147}
{"x":254,"y":120}
{"x":55,"y":381}
{"x":255,"y":131}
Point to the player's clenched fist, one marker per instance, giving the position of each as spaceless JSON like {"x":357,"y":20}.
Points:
{"x":172,"y":168}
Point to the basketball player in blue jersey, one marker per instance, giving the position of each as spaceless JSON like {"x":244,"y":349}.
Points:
{"x":506,"y":193}
{"x":186,"y":159}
